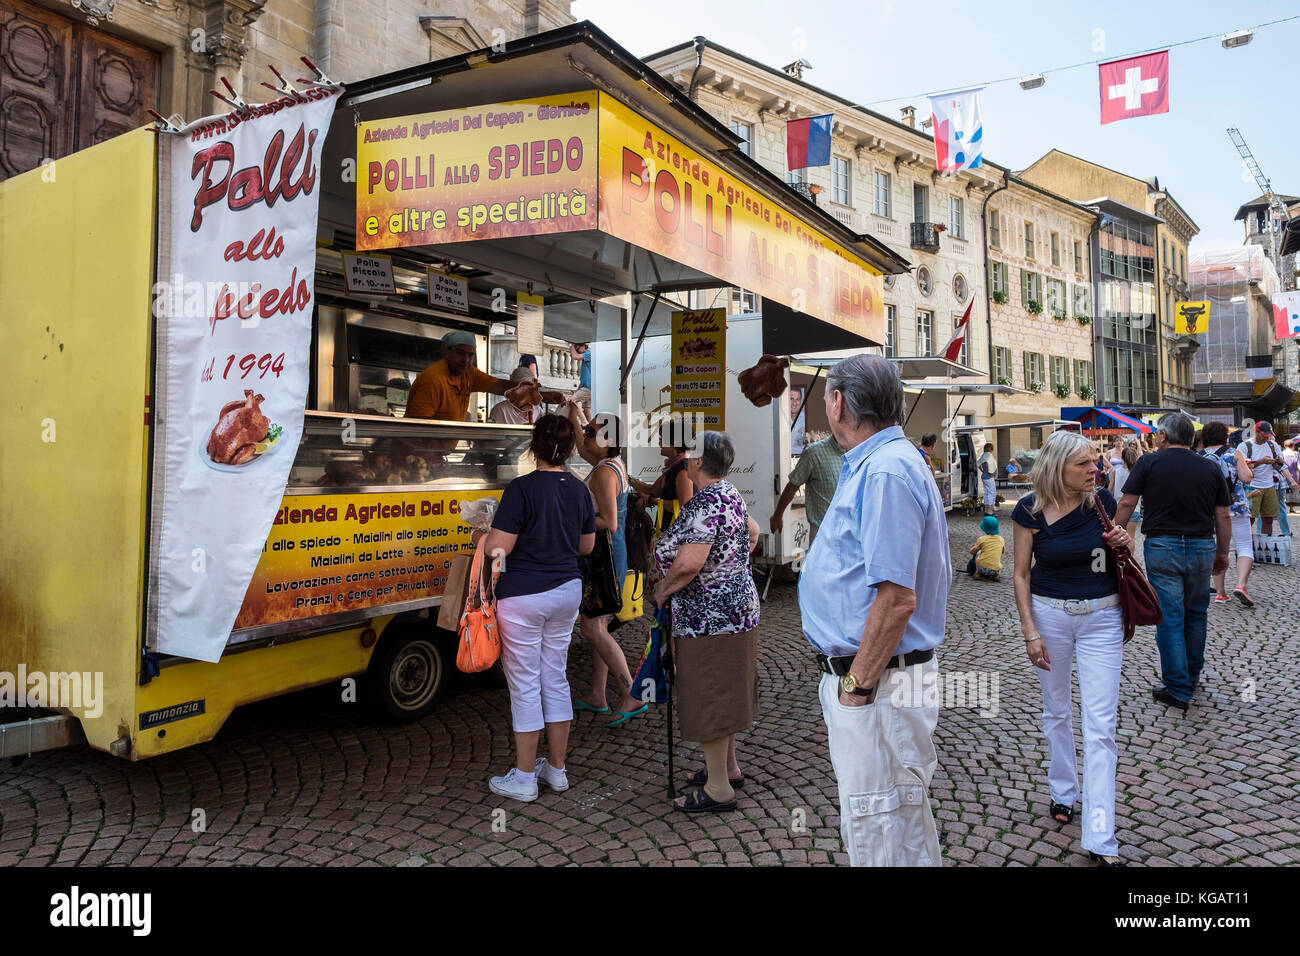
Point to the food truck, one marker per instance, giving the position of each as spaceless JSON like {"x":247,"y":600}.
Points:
{"x":212,"y":493}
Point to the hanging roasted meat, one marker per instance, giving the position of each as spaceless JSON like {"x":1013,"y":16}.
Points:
{"x":525,"y":395}
{"x":240,"y":426}
{"x":765,"y":381}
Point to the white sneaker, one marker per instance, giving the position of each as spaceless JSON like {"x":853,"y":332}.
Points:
{"x":511,"y":786}
{"x":557,"y":780}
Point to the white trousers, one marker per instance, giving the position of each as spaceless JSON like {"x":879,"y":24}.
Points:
{"x":1096,"y":641}
{"x":990,"y":491}
{"x":884,"y":758}
{"x":535,"y":634}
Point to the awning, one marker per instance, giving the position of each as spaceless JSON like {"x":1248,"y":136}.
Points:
{"x":1095,"y":421}
{"x":563,"y":163}
{"x":1005,"y":426}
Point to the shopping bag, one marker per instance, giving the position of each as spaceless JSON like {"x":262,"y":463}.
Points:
{"x":453,"y":595}
{"x":601,"y":594}
{"x":633,"y":597}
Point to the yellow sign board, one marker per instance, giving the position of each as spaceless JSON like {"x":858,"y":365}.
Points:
{"x":699,"y":366}
{"x":527,"y":167}
{"x":1191,"y":317}
{"x":660,"y":194}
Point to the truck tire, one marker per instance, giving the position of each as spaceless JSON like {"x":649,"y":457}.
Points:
{"x":409,"y":672}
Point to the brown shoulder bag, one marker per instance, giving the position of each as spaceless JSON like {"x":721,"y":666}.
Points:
{"x":1138,"y":602}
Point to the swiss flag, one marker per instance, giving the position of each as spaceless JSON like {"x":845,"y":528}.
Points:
{"x":1138,"y":86}
{"x":952,"y":351}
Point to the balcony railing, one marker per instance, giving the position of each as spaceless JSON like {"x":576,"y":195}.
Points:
{"x":925,"y":235}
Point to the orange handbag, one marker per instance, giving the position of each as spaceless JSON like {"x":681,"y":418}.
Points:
{"x":479,"y":644}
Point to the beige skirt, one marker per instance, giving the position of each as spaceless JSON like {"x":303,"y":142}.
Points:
{"x":716,"y":684}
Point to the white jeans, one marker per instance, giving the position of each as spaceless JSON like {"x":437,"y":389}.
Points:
{"x":884,"y":758}
{"x":1096,"y":640}
{"x":535,"y":634}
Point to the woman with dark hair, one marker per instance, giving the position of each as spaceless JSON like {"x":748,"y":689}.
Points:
{"x":704,"y":560}
{"x":673,"y":487}
{"x":600,"y":445}
{"x":546,"y":519}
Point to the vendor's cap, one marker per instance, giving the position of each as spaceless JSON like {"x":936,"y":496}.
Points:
{"x":989,"y":525}
{"x":453,"y":339}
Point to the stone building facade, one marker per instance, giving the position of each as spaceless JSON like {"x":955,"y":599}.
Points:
{"x":70,"y":77}
{"x":1145,"y":230}
{"x":1040,"y":277}
{"x":882,"y":181}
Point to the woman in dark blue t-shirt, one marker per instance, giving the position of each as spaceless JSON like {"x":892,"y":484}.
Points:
{"x":1068,"y":600}
{"x":545,"y":521}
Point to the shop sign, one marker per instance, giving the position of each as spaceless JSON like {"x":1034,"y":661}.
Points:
{"x":522,"y":168}
{"x":699,"y":366}
{"x":368,"y":275}
{"x":448,"y":292}
{"x":529,"y":319}
{"x":238,"y":245}
{"x":332,"y":553}
{"x":660,"y":194}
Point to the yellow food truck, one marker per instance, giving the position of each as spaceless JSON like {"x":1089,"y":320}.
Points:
{"x":166,"y":470}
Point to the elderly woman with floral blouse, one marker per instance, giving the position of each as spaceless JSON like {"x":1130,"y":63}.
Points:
{"x":704,"y":562}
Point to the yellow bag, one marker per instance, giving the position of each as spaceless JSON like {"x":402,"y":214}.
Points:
{"x":633,"y":597}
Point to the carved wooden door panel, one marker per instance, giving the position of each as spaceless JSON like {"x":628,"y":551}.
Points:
{"x":118,"y":83}
{"x":37,"y":87}
{"x":65,"y":85}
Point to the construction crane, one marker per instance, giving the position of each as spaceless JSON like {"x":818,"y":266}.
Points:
{"x":1280,"y":216}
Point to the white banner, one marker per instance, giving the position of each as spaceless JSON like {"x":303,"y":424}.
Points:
{"x":238,"y":201}
{"x":958,"y":127}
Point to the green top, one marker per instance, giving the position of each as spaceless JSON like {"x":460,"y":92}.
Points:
{"x":819,"y":467}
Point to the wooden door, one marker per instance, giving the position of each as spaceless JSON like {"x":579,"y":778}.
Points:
{"x":65,"y":85}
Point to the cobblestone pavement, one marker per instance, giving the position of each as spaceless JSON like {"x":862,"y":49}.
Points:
{"x":307,"y":780}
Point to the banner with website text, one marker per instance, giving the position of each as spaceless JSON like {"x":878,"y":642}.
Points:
{"x":661,"y":195}
{"x":523,"y":168}
{"x":238,"y":198}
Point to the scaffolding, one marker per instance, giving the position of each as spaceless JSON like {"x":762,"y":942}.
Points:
{"x":1239,"y":283}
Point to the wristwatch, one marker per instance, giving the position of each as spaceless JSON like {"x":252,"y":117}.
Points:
{"x":849,"y":685}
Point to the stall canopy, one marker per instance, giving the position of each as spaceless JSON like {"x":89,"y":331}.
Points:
{"x":1103,"y":421}
{"x":563,"y":163}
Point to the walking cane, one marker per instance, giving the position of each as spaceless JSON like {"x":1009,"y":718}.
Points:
{"x":666,"y":658}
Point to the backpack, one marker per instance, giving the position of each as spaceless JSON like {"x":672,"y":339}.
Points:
{"x":1229,"y":471}
{"x":640,"y":534}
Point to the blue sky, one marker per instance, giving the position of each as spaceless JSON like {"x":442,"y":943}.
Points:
{"x":870,"y":51}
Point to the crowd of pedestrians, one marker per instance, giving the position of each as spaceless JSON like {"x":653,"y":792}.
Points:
{"x":873,"y":594}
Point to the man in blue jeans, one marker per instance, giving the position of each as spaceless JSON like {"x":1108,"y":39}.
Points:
{"x":1187,"y":533}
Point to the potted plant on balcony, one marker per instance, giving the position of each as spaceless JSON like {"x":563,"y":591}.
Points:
{"x":1062,"y":391}
{"x":1087,"y":392}
{"x":1058,"y":313}
{"x":1003,"y":380}
{"x":1034,"y":306}
{"x":1083,"y":319}
{"x":1000,"y":298}
{"x":1035,"y":387}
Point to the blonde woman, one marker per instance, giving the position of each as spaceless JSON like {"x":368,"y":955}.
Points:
{"x":1067,"y":596}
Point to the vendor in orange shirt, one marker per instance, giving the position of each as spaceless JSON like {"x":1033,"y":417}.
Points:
{"x":443,"y":390}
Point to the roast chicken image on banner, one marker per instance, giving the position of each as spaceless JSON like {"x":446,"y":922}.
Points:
{"x":765,"y":381}
{"x":240,"y":426}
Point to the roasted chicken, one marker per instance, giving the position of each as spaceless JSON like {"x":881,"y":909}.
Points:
{"x":240,"y":426}
{"x":525,"y":395}
{"x":765,"y":381}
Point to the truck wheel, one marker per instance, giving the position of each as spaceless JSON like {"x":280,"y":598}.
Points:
{"x":408,"y":673}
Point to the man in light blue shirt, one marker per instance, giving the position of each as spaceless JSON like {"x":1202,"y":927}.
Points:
{"x":874,"y":598}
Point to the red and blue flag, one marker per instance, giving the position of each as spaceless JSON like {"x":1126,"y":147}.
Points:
{"x":808,"y":142}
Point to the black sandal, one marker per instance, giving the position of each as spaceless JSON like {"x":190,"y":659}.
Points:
{"x":700,"y":802}
{"x":1059,"y":810}
{"x":702,"y":777}
{"x":1107,"y":864}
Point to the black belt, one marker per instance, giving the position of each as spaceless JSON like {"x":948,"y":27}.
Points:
{"x":1186,"y":537}
{"x":839,"y":666}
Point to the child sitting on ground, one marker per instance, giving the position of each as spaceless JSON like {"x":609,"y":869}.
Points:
{"x":987,"y":563}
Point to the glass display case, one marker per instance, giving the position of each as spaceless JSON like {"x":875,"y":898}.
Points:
{"x":341,"y":453}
